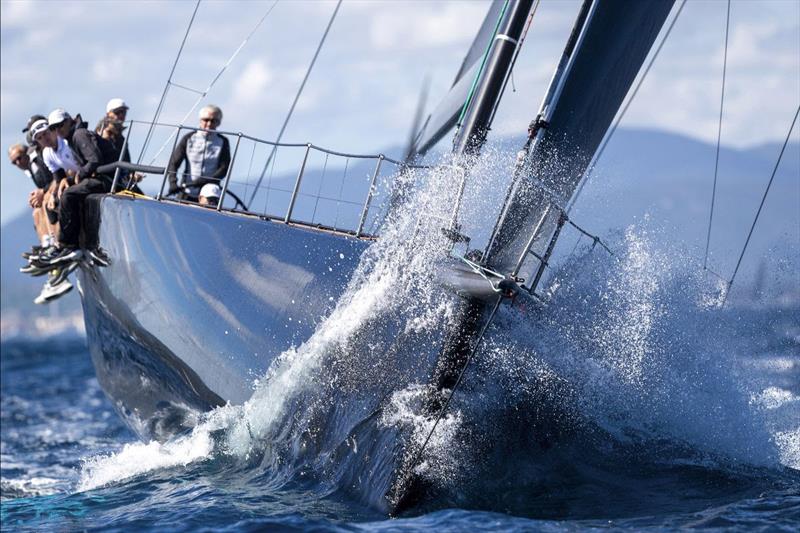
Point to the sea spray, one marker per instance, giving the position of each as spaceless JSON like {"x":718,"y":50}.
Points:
{"x":390,"y":296}
{"x":627,"y":350}
{"x":627,"y":363}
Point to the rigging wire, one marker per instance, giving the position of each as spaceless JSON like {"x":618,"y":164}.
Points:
{"x":203,"y":94}
{"x":613,"y":129}
{"x":167,"y":85}
{"x":719,"y":137}
{"x":296,"y":98}
{"x":761,"y":205}
{"x":444,"y":407}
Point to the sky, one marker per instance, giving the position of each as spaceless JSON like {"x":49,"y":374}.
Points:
{"x":365,"y":86}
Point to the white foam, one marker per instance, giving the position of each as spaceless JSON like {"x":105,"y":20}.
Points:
{"x":774,"y":397}
{"x":139,"y":458}
{"x":36,"y":486}
{"x":404,"y":410}
{"x":789,"y":444}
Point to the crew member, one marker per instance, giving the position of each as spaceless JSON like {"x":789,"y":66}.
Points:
{"x":88,"y":153}
{"x":207,"y":155}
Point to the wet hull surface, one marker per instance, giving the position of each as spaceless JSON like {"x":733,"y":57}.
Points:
{"x":196,"y":304}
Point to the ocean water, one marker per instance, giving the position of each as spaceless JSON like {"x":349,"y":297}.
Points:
{"x":630,"y":400}
{"x":658,"y":413}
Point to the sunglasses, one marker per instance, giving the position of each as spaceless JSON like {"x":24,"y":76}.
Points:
{"x":16,"y":160}
{"x":209,"y":119}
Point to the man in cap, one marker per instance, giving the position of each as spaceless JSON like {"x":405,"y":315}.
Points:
{"x":54,"y":158}
{"x":38,"y":171}
{"x":41,"y":172}
{"x":209,"y":195}
{"x":56,"y":151}
{"x":207,"y":155}
{"x":27,"y":129}
{"x":117,"y":111}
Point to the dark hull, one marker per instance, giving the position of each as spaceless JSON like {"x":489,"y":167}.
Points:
{"x":196,"y":304}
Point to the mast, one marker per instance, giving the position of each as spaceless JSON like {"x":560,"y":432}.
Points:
{"x":475,"y":86}
{"x":487,"y":77}
{"x":487,"y":88}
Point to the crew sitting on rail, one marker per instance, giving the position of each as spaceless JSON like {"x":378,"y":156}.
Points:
{"x":41,"y":173}
{"x":89,"y":151}
{"x":110,"y":129}
{"x":207,"y":155}
{"x":209,"y":195}
{"x":57,"y":157}
{"x":30,"y":163}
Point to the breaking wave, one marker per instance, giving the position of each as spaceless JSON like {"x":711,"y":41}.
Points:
{"x":625,"y":384}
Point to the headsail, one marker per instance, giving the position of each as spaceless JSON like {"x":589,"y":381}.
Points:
{"x":583,"y":99}
{"x":446,"y":114}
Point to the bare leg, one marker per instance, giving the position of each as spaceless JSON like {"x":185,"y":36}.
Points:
{"x":40,"y":224}
{"x":49,"y":204}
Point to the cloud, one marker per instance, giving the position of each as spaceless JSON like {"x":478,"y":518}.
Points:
{"x":105,"y":69}
{"x":397,"y":26}
{"x":16,"y":14}
{"x":252,"y":83}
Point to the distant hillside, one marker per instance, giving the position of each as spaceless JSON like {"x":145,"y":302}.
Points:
{"x":670,"y":177}
{"x":665,"y":176}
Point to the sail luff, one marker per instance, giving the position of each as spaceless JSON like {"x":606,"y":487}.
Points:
{"x":608,"y":53}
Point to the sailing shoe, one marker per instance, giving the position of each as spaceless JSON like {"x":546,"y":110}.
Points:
{"x":34,"y":269}
{"x":35,"y":250}
{"x":52,"y":291}
{"x":63,"y":272}
{"x":68,"y":254}
{"x":99,"y":257}
{"x":42,"y":252}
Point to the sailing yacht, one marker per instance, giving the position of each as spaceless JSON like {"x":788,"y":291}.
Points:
{"x":197,"y":303}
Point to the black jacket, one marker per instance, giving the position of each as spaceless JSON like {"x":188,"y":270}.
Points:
{"x":40,"y":174}
{"x":90,"y":151}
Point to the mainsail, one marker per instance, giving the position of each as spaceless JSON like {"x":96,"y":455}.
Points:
{"x":611,"y":45}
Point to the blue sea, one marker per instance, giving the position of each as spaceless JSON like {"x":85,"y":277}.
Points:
{"x":69,"y":463}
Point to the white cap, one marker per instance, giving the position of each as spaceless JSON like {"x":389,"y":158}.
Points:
{"x":115,"y":103}
{"x":38,"y":127}
{"x":57,"y":116}
{"x":210,"y":190}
